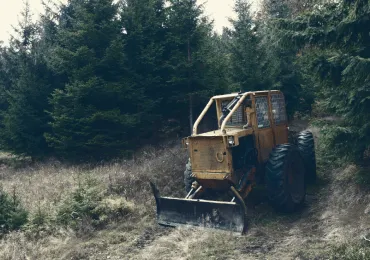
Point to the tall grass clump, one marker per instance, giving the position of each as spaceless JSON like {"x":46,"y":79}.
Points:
{"x":130,"y":179}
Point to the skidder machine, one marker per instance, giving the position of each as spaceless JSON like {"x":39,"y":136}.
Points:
{"x":249,"y":148}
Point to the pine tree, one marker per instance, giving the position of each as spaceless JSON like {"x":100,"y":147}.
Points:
{"x":97,"y":114}
{"x":7,"y":75}
{"x":193,"y":72}
{"x":144,"y":35}
{"x":280,"y":57}
{"x":287,"y":8}
{"x":246,"y":54}
{"x":334,"y":42}
{"x":26,"y":91}
{"x":95,"y":79}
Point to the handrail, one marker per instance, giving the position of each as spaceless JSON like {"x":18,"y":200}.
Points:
{"x":195,"y":127}
{"x":197,"y":122}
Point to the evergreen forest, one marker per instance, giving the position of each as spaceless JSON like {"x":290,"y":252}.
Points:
{"x":98,"y":79}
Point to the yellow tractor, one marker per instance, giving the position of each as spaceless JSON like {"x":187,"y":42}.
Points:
{"x":249,"y":148}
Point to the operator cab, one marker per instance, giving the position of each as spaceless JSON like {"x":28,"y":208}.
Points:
{"x":260,"y":115}
{"x":241,"y":118}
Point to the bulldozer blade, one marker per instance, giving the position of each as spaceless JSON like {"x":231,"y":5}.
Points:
{"x":203,"y":213}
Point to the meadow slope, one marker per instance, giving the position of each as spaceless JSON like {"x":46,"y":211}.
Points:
{"x":334,"y":223}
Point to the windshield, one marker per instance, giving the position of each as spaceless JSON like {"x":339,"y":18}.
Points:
{"x":238,"y":118}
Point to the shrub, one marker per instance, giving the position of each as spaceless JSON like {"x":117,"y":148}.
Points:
{"x":88,"y":207}
{"x":12,"y":215}
{"x":113,"y":208}
{"x":39,"y":223}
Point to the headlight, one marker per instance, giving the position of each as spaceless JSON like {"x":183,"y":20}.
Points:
{"x":231,"y":140}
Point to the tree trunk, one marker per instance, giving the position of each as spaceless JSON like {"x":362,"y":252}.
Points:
{"x":190,"y":92}
{"x":191,"y":113}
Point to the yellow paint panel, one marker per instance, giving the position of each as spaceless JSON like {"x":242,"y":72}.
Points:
{"x":209,"y":154}
{"x":266,"y":143}
{"x":281,"y":134}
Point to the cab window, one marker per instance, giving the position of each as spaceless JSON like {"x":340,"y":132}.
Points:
{"x":278,"y":109}
{"x":238,"y":118}
{"x":262,"y":109}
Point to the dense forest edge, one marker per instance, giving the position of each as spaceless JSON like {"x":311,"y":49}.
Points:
{"x":95,"y":96}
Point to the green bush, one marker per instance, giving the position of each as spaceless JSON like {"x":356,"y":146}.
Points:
{"x":40,"y":223}
{"x":12,"y":215}
{"x":88,"y":207}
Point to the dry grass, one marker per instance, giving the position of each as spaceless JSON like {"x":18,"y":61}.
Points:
{"x":47,"y":184}
{"x":331,"y":226}
{"x":44,"y":187}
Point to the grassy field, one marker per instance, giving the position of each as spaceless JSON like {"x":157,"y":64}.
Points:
{"x":119,"y":189}
{"x":107,"y":211}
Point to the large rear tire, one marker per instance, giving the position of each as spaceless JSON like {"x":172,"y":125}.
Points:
{"x":285,"y":178}
{"x":306,"y":146}
{"x":188,"y":180}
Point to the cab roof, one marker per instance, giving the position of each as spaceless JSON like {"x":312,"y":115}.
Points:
{"x":232,"y":95}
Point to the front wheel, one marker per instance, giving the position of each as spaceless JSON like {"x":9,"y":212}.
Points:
{"x":285,"y":178}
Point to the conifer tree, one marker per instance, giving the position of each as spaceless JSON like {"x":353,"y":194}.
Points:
{"x":334,"y":46}
{"x":279,"y":59}
{"x":98,"y":111}
{"x":192,"y":63}
{"x":246,"y":54}
{"x":144,"y":36}
{"x":26,"y":91}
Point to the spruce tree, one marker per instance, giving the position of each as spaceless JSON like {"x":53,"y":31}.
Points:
{"x":280,"y":57}
{"x":95,"y":79}
{"x":26,"y":91}
{"x":287,"y":8}
{"x":192,"y":62}
{"x":144,"y":35}
{"x":97,"y":113}
{"x":246,"y":54}
{"x":334,"y":48}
